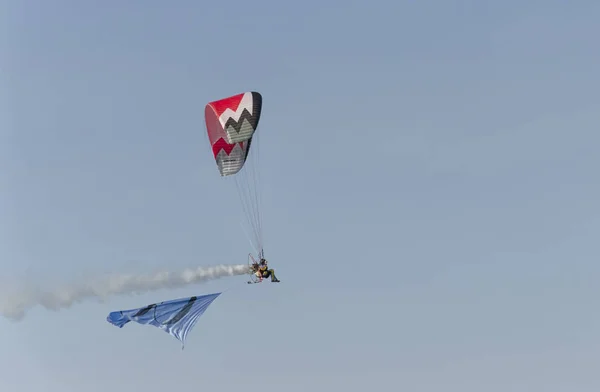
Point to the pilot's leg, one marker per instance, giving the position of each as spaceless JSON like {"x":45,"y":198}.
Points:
{"x":273,"y":277}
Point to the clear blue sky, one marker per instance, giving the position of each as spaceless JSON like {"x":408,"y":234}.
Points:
{"x":430,"y":177}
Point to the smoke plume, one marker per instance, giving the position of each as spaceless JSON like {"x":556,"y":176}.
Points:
{"x":14,"y":306}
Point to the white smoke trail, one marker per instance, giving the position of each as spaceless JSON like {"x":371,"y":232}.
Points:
{"x":16,"y":305}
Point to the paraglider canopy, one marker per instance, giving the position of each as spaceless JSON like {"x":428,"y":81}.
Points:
{"x":231,"y":125}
